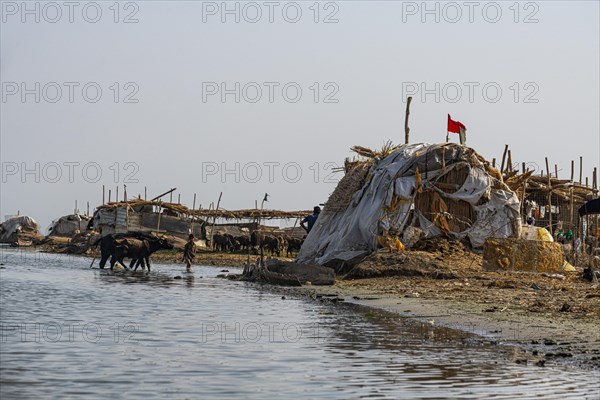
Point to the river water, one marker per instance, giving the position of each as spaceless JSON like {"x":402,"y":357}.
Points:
{"x":68,"y":331}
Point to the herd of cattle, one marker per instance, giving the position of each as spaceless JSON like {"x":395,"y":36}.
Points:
{"x":274,"y":244}
{"x":139,"y":246}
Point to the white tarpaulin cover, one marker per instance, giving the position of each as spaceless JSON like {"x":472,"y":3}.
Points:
{"x":68,"y":225}
{"x":15,"y":225}
{"x":390,"y":200}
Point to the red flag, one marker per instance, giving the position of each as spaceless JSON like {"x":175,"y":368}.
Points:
{"x":455,"y":126}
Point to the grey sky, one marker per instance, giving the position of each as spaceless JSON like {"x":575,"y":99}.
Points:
{"x":179,"y":134}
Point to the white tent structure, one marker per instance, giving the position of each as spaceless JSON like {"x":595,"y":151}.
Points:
{"x":414,"y":191}
{"x":68,"y":225}
{"x":16,"y":227}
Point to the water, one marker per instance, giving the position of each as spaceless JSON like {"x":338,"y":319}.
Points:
{"x":73,"y":332}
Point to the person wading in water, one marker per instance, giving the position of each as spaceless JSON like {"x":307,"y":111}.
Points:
{"x":189,"y":252}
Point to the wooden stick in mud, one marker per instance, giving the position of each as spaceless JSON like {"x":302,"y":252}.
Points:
{"x":406,"y":128}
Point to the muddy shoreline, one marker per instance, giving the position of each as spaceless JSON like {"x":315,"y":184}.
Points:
{"x":554,"y":321}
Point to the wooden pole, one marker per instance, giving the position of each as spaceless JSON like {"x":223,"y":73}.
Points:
{"x":572,"y":170}
{"x":75,"y":212}
{"x":494,"y":162}
{"x":193,"y":217}
{"x":212,"y":227}
{"x":595,"y":179}
{"x":571,"y":205}
{"x":406,"y":128}
{"x":549,"y":198}
{"x":88,"y":209}
{"x":117,"y":194}
{"x":145,"y":193}
{"x":580,"y":169}
{"x":179,"y":198}
{"x":103,"y":192}
{"x":509,"y":167}
{"x":171,"y":197}
{"x":503,"y":158}
{"x":159,"y":213}
{"x":164,"y":194}
{"x":556,"y":171}
{"x":109,"y":195}
{"x":523,"y":167}
{"x":125,"y":193}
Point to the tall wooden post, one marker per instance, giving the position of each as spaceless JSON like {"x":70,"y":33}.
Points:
{"x":212,"y":227}
{"x":406,"y":128}
{"x":145,"y":193}
{"x":109,"y":195}
{"x":580,"y":169}
{"x":503,"y":158}
{"x":103,"y":191}
{"x":549,"y":198}
{"x":159,"y":213}
{"x":572,"y":170}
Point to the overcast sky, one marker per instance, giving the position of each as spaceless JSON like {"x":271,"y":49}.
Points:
{"x":254,"y":97}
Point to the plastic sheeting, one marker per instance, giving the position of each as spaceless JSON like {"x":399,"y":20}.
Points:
{"x":15,"y":225}
{"x":386,"y":202}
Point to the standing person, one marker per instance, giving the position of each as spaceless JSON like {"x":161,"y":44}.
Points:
{"x":311,"y":219}
{"x":189,"y":252}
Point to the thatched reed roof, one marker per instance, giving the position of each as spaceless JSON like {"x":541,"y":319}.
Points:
{"x":561,"y":188}
{"x":251,"y":214}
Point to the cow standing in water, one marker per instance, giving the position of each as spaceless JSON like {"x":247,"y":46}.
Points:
{"x":137,"y":246}
{"x":139,"y":250}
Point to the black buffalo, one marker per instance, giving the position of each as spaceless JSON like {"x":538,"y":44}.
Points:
{"x":139,"y":250}
{"x":108,"y":246}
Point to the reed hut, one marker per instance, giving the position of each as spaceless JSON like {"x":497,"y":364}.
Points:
{"x":69,"y":225}
{"x":412,"y":192}
{"x":148,"y":216}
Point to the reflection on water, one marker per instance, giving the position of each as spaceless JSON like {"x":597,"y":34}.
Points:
{"x":69,"y":331}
